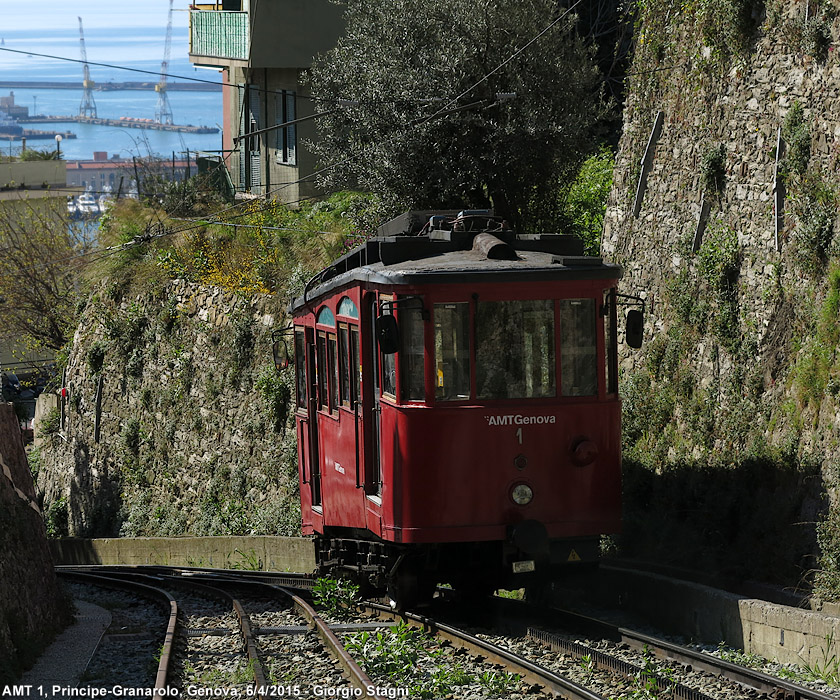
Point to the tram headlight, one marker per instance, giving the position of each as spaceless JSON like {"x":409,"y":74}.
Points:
{"x":522,"y":494}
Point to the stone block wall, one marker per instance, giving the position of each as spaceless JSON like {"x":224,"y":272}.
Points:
{"x":175,"y":419}
{"x":31,"y":606}
{"x":739,"y":101}
{"x":739,"y":373}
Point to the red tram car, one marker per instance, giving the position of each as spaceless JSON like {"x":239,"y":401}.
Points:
{"x":458,"y":418}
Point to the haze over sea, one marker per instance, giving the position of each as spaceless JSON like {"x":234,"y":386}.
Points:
{"x":128,"y":35}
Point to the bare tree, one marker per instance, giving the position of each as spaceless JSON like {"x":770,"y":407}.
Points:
{"x":41,"y":255}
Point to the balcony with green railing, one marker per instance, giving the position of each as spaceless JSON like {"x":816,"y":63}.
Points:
{"x":218,"y":34}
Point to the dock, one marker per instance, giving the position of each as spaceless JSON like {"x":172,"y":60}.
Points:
{"x":129,"y":122}
{"x":36,"y":134}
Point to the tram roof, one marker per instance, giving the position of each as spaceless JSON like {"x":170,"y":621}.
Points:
{"x":421,"y":260}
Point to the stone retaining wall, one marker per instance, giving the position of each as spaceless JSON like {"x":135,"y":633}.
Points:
{"x":31,"y":608}
{"x":175,"y":419}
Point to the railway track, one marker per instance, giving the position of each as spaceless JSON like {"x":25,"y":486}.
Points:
{"x":666,"y":652}
{"x":244,"y":632}
{"x":212,"y":644}
{"x":652,"y":666}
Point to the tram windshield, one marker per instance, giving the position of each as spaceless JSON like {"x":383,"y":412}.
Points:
{"x":515,"y":349}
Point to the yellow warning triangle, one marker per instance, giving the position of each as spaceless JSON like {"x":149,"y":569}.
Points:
{"x":573,"y":556}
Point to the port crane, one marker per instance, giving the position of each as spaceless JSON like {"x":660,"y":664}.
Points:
{"x":88,"y":107}
{"x":163,"y":111}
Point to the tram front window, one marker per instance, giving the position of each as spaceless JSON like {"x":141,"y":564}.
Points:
{"x":515,"y":349}
{"x":578,"y":353}
{"x":452,"y":352}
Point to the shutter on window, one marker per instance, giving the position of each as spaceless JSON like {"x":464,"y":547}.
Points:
{"x":279,"y":118}
{"x":291,"y":131}
{"x":254,"y":142}
{"x":243,"y":144}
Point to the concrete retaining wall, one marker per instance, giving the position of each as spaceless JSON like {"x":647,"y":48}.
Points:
{"x":34,"y":173}
{"x":789,"y":635}
{"x":267,"y":553}
{"x":45,"y":403}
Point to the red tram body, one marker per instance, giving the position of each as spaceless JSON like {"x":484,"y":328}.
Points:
{"x":482,"y":447}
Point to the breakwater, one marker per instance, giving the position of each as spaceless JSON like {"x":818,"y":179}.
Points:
{"x":129,"y":122}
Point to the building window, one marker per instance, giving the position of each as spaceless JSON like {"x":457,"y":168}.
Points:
{"x":285,"y":111}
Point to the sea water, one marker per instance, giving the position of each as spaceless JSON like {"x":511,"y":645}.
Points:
{"x":139,"y":48}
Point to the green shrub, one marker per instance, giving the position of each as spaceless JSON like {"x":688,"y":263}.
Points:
{"x":797,"y":138}
{"x":814,"y":372}
{"x":391,"y":654}
{"x":586,"y":199}
{"x":134,"y":364}
{"x":815,"y":205}
{"x":812,"y":36}
{"x":57,"y":518}
{"x":827,"y":579}
{"x":816,"y":37}
{"x":713,"y":169}
{"x":130,"y":436}
{"x":276,"y":398}
{"x":336,"y":597}
{"x":719,"y":257}
{"x":729,"y":26}
{"x":95,"y":356}
{"x":50,"y":424}
{"x":35,"y":460}
{"x":34,"y":154}
{"x":146,"y":398}
{"x":241,"y":341}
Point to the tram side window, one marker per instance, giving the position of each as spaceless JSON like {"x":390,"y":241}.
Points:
{"x":355,"y":367}
{"x":514,"y":353}
{"x":578,"y":348}
{"x":412,"y":382}
{"x":452,"y":352}
{"x":389,"y":374}
{"x":300,"y":369}
{"x":322,"y":372}
{"x":344,"y":366}
{"x":333,"y":369}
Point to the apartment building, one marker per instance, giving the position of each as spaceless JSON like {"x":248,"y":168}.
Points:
{"x":263,"y":47}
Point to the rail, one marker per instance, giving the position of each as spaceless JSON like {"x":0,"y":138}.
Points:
{"x":762,"y":682}
{"x":530,"y":671}
{"x":147,"y":591}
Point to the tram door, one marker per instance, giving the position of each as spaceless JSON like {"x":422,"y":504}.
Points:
{"x":312,"y":411}
{"x":374,"y":475}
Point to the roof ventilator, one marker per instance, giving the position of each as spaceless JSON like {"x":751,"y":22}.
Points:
{"x":493,"y":248}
